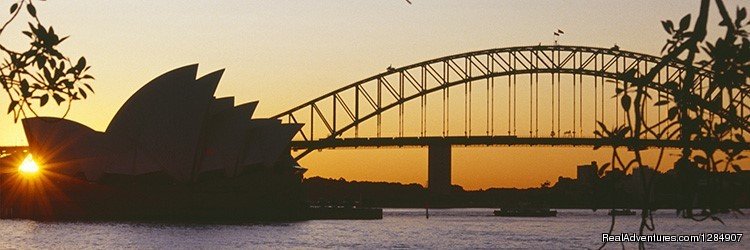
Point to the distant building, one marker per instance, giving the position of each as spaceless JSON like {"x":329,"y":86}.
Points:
{"x":641,"y":174}
{"x":614,"y":173}
{"x":564,"y":181}
{"x":587,"y":173}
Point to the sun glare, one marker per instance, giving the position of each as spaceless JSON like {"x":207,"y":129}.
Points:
{"x":28,"y":165}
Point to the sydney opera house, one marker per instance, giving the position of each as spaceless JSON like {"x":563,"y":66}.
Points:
{"x":172,"y":151}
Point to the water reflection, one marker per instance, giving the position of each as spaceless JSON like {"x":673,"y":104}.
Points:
{"x":400,"y":228}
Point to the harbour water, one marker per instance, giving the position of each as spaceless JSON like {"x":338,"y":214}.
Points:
{"x":399,"y":228}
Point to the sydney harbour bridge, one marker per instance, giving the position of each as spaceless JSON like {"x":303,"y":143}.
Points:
{"x":526,"y":96}
{"x":515,"y":96}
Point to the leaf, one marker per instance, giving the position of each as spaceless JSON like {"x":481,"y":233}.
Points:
{"x":81,"y":63}
{"x":25,"y":88}
{"x":741,"y":14}
{"x":668,"y":26}
{"x":83,"y":93}
{"x":684,"y":23}
{"x":40,"y":61}
{"x":625,"y":101}
{"x":710,"y":46}
{"x":736,"y":168}
{"x":700,"y":159}
{"x":13,"y":8}
{"x":12,"y":106}
{"x":31,"y":26}
{"x":665,"y":47}
{"x":604,"y":128}
{"x":59,"y":99}
{"x":721,"y":128}
{"x":31,"y":9}
{"x":43,"y":100}
{"x":89,"y":87}
{"x":603,"y":168}
{"x":47,"y":75}
{"x":623,"y":132}
{"x":661,"y":103}
{"x":672,"y":113}
{"x":671,"y":86}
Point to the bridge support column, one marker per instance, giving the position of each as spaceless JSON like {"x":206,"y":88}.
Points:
{"x":439,"y":168}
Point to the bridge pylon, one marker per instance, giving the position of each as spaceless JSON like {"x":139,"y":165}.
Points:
{"x":439,"y":167}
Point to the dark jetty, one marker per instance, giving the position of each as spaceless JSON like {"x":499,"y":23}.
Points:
{"x":621,"y":212}
{"x":525,"y":212}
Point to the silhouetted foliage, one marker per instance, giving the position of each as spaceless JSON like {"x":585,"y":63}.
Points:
{"x":704,"y":136}
{"x":40,"y":72}
{"x":623,"y":191}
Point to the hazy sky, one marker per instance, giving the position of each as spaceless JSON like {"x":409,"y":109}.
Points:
{"x":284,"y":53}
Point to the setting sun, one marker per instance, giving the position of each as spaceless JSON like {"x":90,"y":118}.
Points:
{"x":28,"y":165}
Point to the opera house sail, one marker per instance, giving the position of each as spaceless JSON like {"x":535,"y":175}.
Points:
{"x":172,"y":151}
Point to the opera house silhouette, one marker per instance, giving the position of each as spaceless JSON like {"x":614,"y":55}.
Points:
{"x":172,"y":151}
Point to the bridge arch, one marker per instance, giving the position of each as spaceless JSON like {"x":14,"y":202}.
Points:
{"x":461,"y":69}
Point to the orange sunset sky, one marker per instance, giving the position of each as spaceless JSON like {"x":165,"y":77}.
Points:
{"x":284,"y":53}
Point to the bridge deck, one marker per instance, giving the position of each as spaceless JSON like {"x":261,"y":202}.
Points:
{"x":493,"y":141}
{"x":385,"y":142}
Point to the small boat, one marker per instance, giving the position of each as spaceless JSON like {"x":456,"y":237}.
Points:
{"x":621,"y":212}
{"x":525,"y":212}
